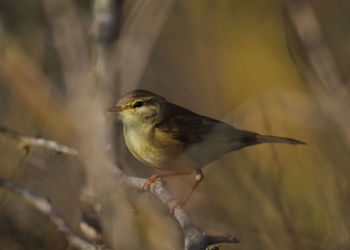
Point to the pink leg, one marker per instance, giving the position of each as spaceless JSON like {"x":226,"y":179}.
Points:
{"x":199,"y":177}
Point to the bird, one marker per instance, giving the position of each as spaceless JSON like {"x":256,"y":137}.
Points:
{"x":166,"y":136}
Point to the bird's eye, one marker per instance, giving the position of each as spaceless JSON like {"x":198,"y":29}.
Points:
{"x":137,"y":104}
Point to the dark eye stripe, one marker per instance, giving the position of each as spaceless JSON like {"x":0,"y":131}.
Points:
{"x":137,"y":104}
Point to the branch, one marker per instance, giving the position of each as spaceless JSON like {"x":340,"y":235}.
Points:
{"x":194,"y":238}
{"x":26,"y":142}
{"x":44,"y":206}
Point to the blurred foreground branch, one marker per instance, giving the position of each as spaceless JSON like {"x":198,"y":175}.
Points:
{"x":26,"y":142}
{"x":45,"y":207}
{"x":194,"y":238}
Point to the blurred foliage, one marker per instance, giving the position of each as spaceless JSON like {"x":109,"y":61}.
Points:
{"x":235,"y":60}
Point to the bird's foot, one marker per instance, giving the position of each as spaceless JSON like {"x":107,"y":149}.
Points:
{"x":149,"y":182}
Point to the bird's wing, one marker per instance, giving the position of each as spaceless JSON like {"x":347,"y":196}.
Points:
{"x":183,"y":125}
{"x":190,"y":128}
{"x":204,"y":139}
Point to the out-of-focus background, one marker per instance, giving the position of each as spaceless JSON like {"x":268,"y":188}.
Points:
{"x":276,"y":67}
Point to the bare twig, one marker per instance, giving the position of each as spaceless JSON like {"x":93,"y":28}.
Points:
{"x":194,"y":238}
{"x":26,"y":141}
{"x":45,"y":207}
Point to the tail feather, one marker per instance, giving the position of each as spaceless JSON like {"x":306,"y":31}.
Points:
{"x":276,"y":139}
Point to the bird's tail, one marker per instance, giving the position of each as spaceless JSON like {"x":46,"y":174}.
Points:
{"x":276,"y":139}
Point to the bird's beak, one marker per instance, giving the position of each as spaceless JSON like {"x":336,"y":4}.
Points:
{"x":115,"y":109}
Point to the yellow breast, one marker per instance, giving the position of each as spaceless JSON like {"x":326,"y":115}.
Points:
{"x":152,"y":147}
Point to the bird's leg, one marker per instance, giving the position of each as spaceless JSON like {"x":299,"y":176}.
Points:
{"x":199,"y":177}
{"x":155,"y":177}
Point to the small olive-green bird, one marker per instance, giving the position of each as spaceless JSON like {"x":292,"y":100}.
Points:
{"x":166,"y":136}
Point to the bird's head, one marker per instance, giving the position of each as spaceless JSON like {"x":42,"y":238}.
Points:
{"x":139,"y":107}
